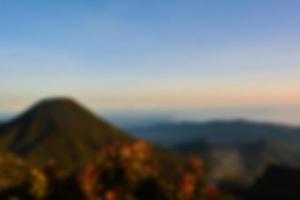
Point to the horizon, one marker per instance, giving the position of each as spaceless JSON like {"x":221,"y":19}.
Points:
{"x":171,"y":57}
{"x":132,"y":117}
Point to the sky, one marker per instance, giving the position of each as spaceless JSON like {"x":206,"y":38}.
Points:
{"x":151,"y":55}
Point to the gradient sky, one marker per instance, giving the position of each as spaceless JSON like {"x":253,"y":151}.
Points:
{"x":158,"y":54}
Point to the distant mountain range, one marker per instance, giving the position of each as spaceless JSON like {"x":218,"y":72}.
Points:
{"x":58,"y":129}
{"x":173,"y":133}
{"x":234,"y":150}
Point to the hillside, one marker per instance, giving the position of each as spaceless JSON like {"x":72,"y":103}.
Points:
{"x":58,"y":129}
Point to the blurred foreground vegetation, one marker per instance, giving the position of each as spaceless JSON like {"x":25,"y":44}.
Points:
{"x":119,"y":172}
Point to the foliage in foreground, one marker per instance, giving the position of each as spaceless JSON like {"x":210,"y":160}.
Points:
{"x":119,"y":172}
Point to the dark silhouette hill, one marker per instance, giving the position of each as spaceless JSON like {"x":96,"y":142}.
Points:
{"x":277,"y":183}
{"x":59,"y":129}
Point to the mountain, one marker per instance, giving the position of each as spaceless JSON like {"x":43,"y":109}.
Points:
{"x":59,"y":129}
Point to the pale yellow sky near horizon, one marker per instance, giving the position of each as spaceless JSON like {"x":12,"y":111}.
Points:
{"x":170,"y":97}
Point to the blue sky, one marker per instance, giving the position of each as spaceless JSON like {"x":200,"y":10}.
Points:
{"x":159,"y":54}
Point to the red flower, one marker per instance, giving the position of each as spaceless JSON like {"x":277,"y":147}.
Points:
{"x":111,"y":195}
{"x":188,"y":184}
{"x":211,"y":191}
{"x":88,"y":180}
{"x":196,"y":164}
